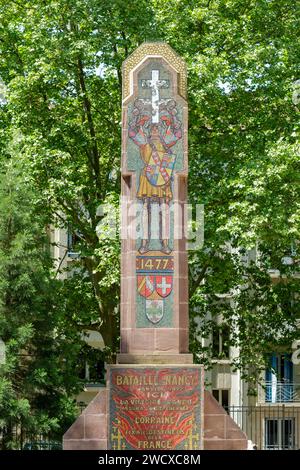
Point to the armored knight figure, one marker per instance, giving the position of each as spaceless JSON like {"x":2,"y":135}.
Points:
{"x":155,"y":184}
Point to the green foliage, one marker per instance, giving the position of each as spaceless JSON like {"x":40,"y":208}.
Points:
{"x":242,"y":59}
{"x":244,"y":166}
{"x":39,"y":377}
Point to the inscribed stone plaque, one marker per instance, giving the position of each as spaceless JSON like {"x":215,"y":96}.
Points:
{"x":155,"y":407}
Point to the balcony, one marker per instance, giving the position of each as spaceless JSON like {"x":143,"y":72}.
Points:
{"x":279,"y":392}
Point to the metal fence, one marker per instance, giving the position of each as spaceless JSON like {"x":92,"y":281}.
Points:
{"x":18,"y":438}
{"x":269,"y":427}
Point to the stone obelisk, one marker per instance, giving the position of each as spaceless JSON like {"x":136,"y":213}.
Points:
{"x":155,"y":391}
{"x":154,"y":282}
{"x":154,"y":398}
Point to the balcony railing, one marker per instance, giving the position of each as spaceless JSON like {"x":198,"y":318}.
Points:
{"x":279,"y":392}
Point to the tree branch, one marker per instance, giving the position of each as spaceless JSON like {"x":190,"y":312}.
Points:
{"x":87,"y":108}
{"x":119,"y":74}
{"x":199,"y":278}
{"x":125,"y":45}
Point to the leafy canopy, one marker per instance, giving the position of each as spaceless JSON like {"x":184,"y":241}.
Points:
{"x":61,"y":61}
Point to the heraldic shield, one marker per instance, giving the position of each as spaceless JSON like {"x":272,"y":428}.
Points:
{"x":159,"y":284}
{"x":160,"y":168}
{"x":164,"y":285}
{"x":154,"y":310}
{"x":145,"y":285}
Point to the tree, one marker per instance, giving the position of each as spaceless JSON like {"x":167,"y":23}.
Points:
{"x":40,"y":375}
{"x":62,"y":63}
{"x":244,"y":166}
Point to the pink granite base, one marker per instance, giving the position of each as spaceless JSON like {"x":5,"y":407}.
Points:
{"x":89,"y":431}
{"x":220,"y":431}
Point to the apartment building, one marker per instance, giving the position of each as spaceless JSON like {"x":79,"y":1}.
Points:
{"x":271,"y":419}
{"x":92,"y":373}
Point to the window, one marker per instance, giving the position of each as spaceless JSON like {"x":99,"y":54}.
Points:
{"x":220,"y":341}
{"x":222,"y":397}
{"x":96,"y":371}
{"x":280,"y":433}
{"x":91,"y":371}
{"x":279,"y":379}
{"x":73,"y":239}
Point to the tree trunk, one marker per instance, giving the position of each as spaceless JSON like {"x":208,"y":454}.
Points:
{"x":110,"y":334}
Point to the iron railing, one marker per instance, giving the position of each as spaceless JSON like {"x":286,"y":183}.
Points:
{"x":269,"y":427}
{"x":279,"y":392}
{"x":18,"y":438}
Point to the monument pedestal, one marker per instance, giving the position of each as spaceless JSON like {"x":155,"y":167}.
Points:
{"x":90,"y":431}
{"x":155,"y":407}
{"x":97,"y":427}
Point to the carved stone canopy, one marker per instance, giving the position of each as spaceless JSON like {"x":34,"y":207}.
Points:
{"x":154,"y":49}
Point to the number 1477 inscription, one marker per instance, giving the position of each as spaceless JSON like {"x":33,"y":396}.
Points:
{"x":145,"y":263}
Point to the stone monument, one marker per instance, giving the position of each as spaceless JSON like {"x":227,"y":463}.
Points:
{"x":155,"y":396}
